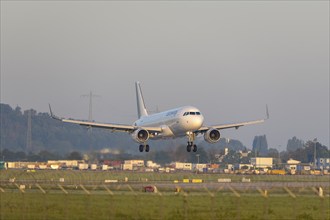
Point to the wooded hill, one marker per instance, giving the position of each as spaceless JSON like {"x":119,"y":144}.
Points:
{"x":55,"y":136}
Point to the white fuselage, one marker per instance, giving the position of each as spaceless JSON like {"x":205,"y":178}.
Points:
{"x":174,"y":123}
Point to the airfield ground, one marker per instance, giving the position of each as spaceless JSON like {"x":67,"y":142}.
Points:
{"x":96,"y":195}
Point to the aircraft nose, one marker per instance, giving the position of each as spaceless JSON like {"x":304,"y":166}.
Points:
{"x":197,"y":122}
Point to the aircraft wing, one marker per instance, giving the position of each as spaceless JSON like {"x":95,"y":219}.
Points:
{"x":226,"y":126}
{"x":110,"y":126}
{"x":233,"y":125}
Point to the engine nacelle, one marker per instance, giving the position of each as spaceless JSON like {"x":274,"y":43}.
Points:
{"x":212,"y":135}
{"x":140,"y":135}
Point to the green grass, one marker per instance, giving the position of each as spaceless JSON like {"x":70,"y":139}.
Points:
{"x":192,"y":203}
{"x":154,"y":206}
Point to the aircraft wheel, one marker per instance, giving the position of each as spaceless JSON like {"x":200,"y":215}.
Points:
{"x":189,"y":147}
{"x":141,"y":148}
{"x":147,"y":148}
{"x":195,"y":148}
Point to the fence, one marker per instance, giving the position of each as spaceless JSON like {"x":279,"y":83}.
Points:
{"x":49,"y":196}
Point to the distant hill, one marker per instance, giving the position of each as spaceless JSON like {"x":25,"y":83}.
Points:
{"x":55,"y":136}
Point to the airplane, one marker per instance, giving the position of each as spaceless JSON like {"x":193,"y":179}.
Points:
{"x":184,"y":121}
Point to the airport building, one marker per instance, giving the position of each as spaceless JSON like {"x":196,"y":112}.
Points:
{"x":67,"y":163}
{"x":292,"y":165}
{"x":133,"y":165}
{"x":182,"y":166}
{"x":323,"y":163}
{"x":262,"y":162}
{"x":152,"y":165}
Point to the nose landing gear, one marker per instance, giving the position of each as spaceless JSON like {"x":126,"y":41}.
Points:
{"x":191,"y":146}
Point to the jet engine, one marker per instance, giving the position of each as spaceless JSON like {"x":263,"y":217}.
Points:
{"x":212,"y":135}
{"x":140,"y":135}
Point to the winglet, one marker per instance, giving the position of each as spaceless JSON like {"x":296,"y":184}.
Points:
{"x":267,"y":113}
{"x":50,"y":110}
{"x":52,"y":115}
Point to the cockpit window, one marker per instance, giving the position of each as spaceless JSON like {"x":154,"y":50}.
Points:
{"x":191,"y":113}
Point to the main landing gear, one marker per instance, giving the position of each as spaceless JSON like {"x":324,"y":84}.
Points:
{"x":191,"y":146}
{"x":144,"y":147}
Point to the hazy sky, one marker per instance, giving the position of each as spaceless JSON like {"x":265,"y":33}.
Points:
{"x":229,"y":59}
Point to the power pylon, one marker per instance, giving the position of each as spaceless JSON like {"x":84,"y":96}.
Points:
{"x":90,"y":112}
{"x":90,"y":117}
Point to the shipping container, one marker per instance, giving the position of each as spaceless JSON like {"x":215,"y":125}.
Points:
{"x":127,"y":166}
{"x":54,"y":166}
{"x":31,"y":166}
{"x":11,"y":165}
{"x":42,"y":166}
{"x":93,"y":166}
{"x":83,"y":166}
{"x":104,"y":167}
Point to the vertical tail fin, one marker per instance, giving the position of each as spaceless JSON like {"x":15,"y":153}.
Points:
{"x":141,"y":108}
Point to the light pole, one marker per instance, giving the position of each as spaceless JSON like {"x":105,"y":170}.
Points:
{"x":197,"y":167}
{"x":279,"y":157}
{"x":315,"y":140}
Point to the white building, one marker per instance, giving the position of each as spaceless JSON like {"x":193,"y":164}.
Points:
{"x":152,"y":165}
{"x":292,"y":164}
{"x":135,"y":163}
{"x":81,"y":166}
{"x":323,"y":163}
{"x":200,"y":166}
{"x":262,"y":162}
{"x":127,"y":166}
{"x":68,"y":163}
{"x":182,"y":166}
